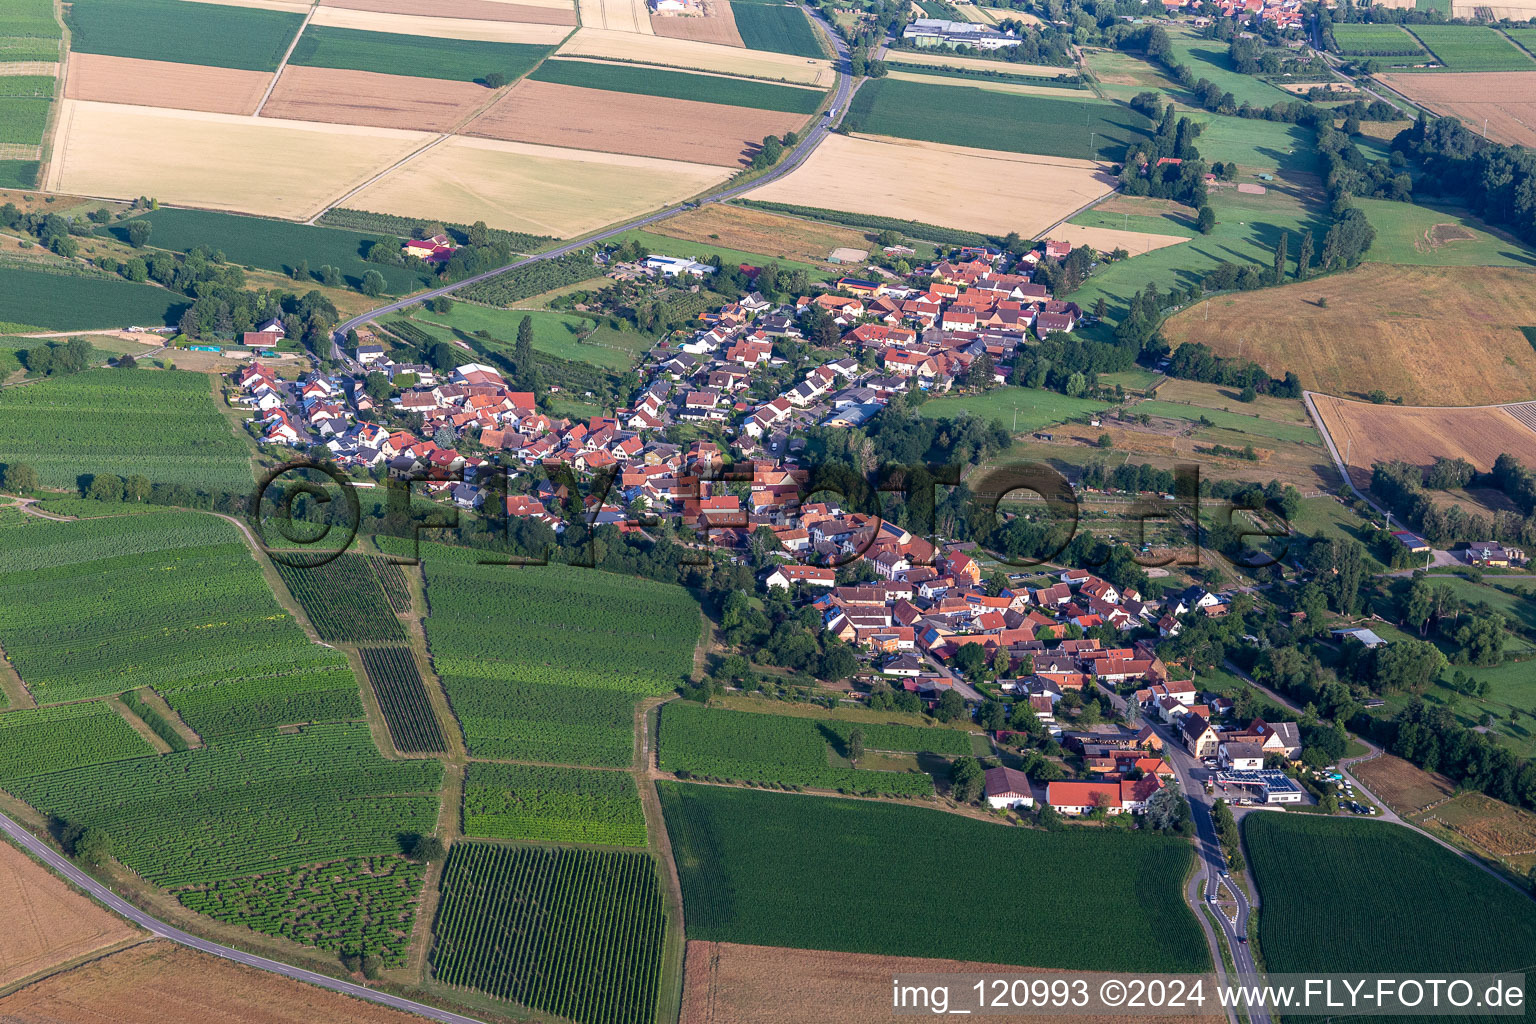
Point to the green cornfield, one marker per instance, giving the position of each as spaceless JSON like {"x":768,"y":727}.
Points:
{"x":574,"y":933}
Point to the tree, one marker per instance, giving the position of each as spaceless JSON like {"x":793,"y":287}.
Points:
{"x":1248,"y":394}
{"x":495,"y":80}
{"x":951,"y":705}
{"x":330,"y":276}
{"x":442,"y":304}
{"x":1106,"y":441}
{"x":1205,"y":221}
{"x":372,"y":967}
{"x":138,"y":232}
{"x":377,"y":386}
{"x":427,"y":849}
{"x":105,"y":487}
{"x":20,"y":478}
{"x":1304,"y":257}
{"x":1168,"y":811}
{"x":137,"y":488}
{"x":373,"y":284}
{"x":967,"y":780}
{"x":856,"y":745}
{"x":1281,"y":255}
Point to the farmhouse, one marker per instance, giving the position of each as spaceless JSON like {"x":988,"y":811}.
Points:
{"x":1007,"y":787}
{"x":437,"y":249}
{"x":1113,"y":797}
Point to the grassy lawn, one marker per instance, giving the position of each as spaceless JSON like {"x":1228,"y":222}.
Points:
{"x":1327,"y":516}
{"x":1162,"y":224}
{"x":1134,"y":379}
{"x":555,"y":334}
{"x":1246,"y":424}
{"x":1207,"y":58}
{"x":1258,"y":147}
{"x":1036,"y":407}
{"x":1432,"y":236}
{"x":664,"y":246}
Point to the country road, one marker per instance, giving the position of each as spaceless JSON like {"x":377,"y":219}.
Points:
{"x":841,"y":94}
{"x":116,"y":904}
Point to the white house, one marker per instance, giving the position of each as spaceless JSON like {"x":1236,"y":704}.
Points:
{"x":1008,"y":788}
{"x":671,"y":266}
{"x":1242,"y":757}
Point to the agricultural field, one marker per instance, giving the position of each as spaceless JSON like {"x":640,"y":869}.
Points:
{"x":631,"y":47}
{"x":1208,"y":59}
{"x":542,"y":190}
{"x":679,"y":85}
{"x":939,"y":76}
{"x":628,"y":16}
{"x":1418,"y":235}
{"x":1326,"y":909}
{"x":365,"y":906}
{"x":1473,"y":48}
{"x":761,"y":233}
{"x":1405,"y":788}
{"x":961,"y":115}
{"x":41,"y":740}
{"x":18,"y":174}
{"x":343,"y":600}
{"x":47,"y":922}
{"x":705,"y":250}
{"x":542,"y":803}
{"x":1369,"y":434}
{"x":1502,"y":103}
{"x":201,"y":159}
{"x":716,"y":24}
{"x":68,"y":303}
{"x":742,"y":857}
{"x":1382,"y":326}
{"x":574,"y":933}
{"x":249,"y":805}
{"x":29,"y":19}
{"x":520,"y":697}
{"x":1376,"y":41}
{"x":457,"y":60}
{"x":778,"y":28}
{"x":397,"y":589}
{"x":22,"y":118}
{"x":533,"y":12}
{"x":275,"y":245}
{"x":157,"y":83}
{"x":218,"y":35}
{"x":496,"y":30}
{"x":367,"y":98}
{"x":1244,"y":423}
{"x":885,"y":177}
{"x":1019,"y":409}
{"x":1491,"y":828}
{"x":402,"y":696}
{"x":742,"y":746}
{"x":556,"y":334}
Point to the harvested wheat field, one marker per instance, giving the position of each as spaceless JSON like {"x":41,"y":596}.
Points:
{"x":539,"y":189}
{"x":785,"y":238}
{"x":160,"y":981}
{"x":727,"y":983}
{"x":921,"y":181}
{"x":1514,"y":10}
{"x":556,"y":12}
{"x":615,"y":122}
{"x":1136,"y":243}
{"x":986,"y":84}
{"x":1506,"y":100}
{"x":632,"y":16}
{"x":1388,"y":327}
{"x":154,"y":83}
{"x":264,"y":166}
{"x":1366,"y":434}
{"x":944,"y":60}
{"x":367,"y":98}
{"x":717,"y":24}
{"x":689,"y":53}
{"x":47,"y":922}
{"x":441,"y":28}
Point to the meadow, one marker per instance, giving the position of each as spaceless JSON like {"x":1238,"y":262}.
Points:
{"x":1208,"y":59}
{"x":974,"y":76}
{"x":160,"y":424}
{"x":743,"y":858}
{"x":1035,"y":407}
{"x":274,"y":245}
{"x":1473,"y":48}
{"x":62,"y":302}
{"x":459,"y":60}
{"x":962,"y":115}
{"x":561,"y":335}
{"x":18,"y":173}
{"x":1258,"y":147}
{"x":403,"y":699}
{"x":1325,"y":907}
{"x":777,"y":28}
{"x":1301,"y":433}
{"x":42,"y":740}
{"x":519,"y":696}
{"x":217,"y":35}
{"x":1437,"y":236}
{"x":1375,"y":41}
{"x":543,"y":803}
{"x":573,"y":933}
{"x":648,"y":81}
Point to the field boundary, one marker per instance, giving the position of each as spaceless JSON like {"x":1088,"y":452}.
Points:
{"x":292,"y":45}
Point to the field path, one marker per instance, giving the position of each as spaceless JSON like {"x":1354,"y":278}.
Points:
{"x":675,"y":947}
{"x":139,"y":725}
{"x":284,"y":62}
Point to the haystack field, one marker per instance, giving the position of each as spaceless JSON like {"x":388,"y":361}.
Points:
{"x":944,"y":60}
{"x":539,"y":189}
{"x":154,"y":83}
{"x":717,"y":24}
{"x":726,"y":982}
{"x":533,"y":12}
{"x":440,"y":28}
{"x":161,"y":981}
{"x":897,"y":178}
{"x":1506,"y":99}
{"x":1366,"y":434}
{"x":617,"y":15}
{"x":614,"y":122}
{"x":688,"y":53}
{"x":47,"y":922}
{"x":217,"y":161}
{"x":1430,"y":335}
{"x":1109,"y":239}
{"x":367,"y":98}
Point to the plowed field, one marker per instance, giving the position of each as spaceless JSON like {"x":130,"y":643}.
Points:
{"x":47,"y":922}
{"x":366,"y":98}
{"x":154,"y":83}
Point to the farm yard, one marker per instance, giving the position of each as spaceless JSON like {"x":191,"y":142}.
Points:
{"x":402,"y":696}
{"x":1382,"y":326}
{"x":1325,"y":907}
{"x":47,"y":922}
{"x":1504,"y":100}
{"x":544,"y":803}
{"x":742,"y":857}
{"x":1385,"y":433}
{"x":574,"y":933}
{"x":1473,"y":48}
{"x":889,"y":178}
{"x":152,"y":83}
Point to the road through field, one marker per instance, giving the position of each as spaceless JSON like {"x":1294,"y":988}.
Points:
{"x":842,"y":93}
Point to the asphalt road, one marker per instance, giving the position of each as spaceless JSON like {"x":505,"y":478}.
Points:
{"x":841,"y":94}
{"x":116,"y":904}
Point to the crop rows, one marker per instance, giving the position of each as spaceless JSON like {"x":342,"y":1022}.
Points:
{"x":1375,"y":41}
{"x":29,"y":18}
{"x":41,"y":740}
{"x":247,"y":804}
{"x":651,"y":81}
{"x":549,"y":804}
{"x":158,"y":723}
{"x":779,"y":28}
{"x":170,"y":30}
{"x":574,"y":933}
{"x":1473,"y":48}
{"x":359,"y":906}
{"x":755,"y":747}
{"x":344,"y":600}
{"x":403,"y":698}
{"x":461,"y":60}
{"x":391,"y":577}
{"x":229,"y":706}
